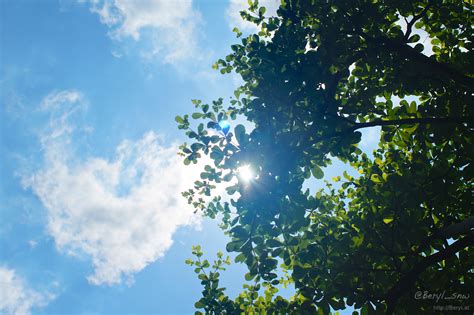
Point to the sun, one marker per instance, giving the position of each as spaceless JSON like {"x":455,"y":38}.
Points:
{"x":245,"y":173}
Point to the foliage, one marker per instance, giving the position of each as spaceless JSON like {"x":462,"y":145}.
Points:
{"x":313,"y":77}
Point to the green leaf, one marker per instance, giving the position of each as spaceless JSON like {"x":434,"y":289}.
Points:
{"x":419,"y":47}
{"x":273,"y":243}
{"x":239,"y":232}
{"x":232,"y":189}
{"x":364,"y":310}
{"x":375,"y":178}
{"x":234,"y":245}
{"x":414,"y":38}
{"x":388,"y":220}
{"x":249,"y":276}
{"x":240,"y":258}
{"x":239,"y":131}
{"x":317,"y":172}
{"x":411,"y":129}
{"x":179,"y":119}
{"x":358,"y":240}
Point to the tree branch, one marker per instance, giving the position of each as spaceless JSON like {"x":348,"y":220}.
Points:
{"x":415,"y":18}
{"x":435,"y":66}
{"x":408,"y":121}
{"x":410,"y":278}
{"x":454,"y":230}
{"x":460,"y":228}
{"x":411,"y":54}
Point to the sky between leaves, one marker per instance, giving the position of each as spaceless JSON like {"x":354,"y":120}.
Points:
{"x":92,"y":215}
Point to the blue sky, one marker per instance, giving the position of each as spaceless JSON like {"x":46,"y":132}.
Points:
{"x":92,"y":217}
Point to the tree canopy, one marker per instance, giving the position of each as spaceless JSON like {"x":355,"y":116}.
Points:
{"x":314,"y":76}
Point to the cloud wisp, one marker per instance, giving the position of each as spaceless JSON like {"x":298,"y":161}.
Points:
{"x":17,"y":298}
{"x":120,"y":212}
{"x":169,"y":27}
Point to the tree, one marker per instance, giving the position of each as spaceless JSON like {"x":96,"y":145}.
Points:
{"x":314,"y":76}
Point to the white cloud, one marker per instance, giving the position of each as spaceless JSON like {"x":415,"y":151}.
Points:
{"x":370,"y":138}
{"x":235,"y":6}
{"x":56,"y":99}
{"x":15,"y":105}
{"x":172,"y":25}
{"x":121,"y":212}
{"x":16,"y":297}
{"x":32,"y":243}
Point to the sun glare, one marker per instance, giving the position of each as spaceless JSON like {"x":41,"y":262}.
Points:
{"x":245,"y":173}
